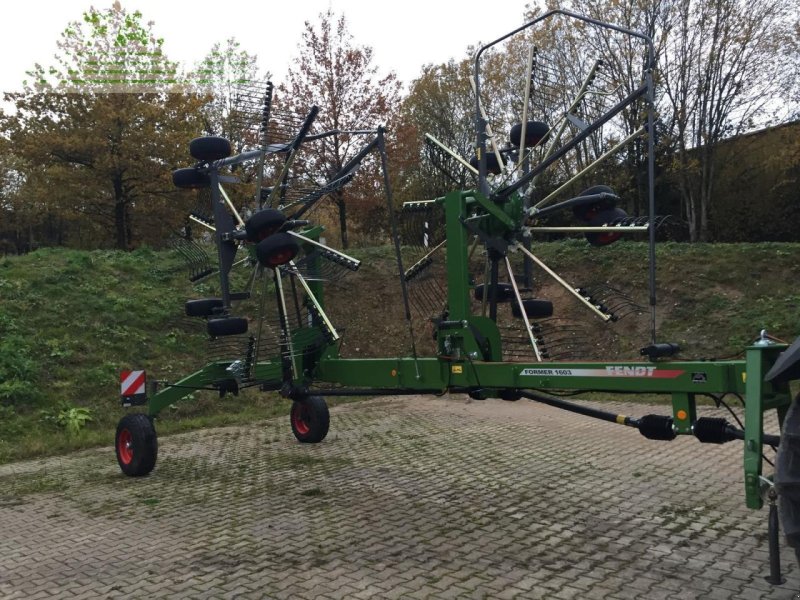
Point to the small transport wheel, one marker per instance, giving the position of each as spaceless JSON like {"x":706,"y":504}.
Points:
{"x":605,"y":217}
{"x":536,"y":132}
{"x":276,"y":250}
{"x":534,"y":309}
{"x":136,"y":444}
{"x":586,"y":212}
{"x":190,"y":179}
{"x":510,"y":395}
{"x":209,"y":148}
{"x":203,"y":307}
{"x":504,"y":292}
{"x":310,"y":419}
{"x":492,"y":164}
{"x":226,"y":326}
{"x":263,"y":224}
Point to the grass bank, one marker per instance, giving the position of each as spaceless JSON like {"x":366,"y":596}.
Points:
{"x":71,"y":320}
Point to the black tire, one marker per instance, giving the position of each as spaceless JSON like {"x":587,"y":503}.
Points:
{"x":276,"y":250}
{"x":787,"y":476}
{"x":605,"y":217}
{"x":310,"y":419}
{"x":136,"y":445}
{"x":226,"y":326}
{"x":190,"y":179}
{"x":504,"y":292}
{"x":510,"y":395}
{"x":536,"y":132}
{"x":209,"y":148}
{"x":534,"y":309}
{"x":263,"y":224}
{"x":585,"y":212}
{"x":203,"y":307}
{"x":492,"y":164}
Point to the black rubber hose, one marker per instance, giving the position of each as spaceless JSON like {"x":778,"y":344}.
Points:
{"x":735,"y":433}
{"x":766,"y":439}
{"x":580,"y":409}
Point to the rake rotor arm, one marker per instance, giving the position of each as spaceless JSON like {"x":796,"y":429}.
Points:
{"x":351,"y":165}
{"x":523,"y":313}
{"x":320,"y":312}
{"x":248,"y":156}
{"x":565,"y":285}
{"x":596,"y":163}
{"x":340,"y":257}
{"x":293,"y":147}
{"x":504,"y":193}
{"x":580,"y":200}
{"x":480,"y":122}
{"x":464,"y":163}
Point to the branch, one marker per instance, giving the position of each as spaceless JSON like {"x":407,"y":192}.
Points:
{"x":72,"y":159}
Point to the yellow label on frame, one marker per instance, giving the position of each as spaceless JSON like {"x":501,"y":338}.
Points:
{"x":458,"y":369}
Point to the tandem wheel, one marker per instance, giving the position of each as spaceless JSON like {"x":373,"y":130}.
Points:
{"x":310,"y":419}
{"x":136,"y":445}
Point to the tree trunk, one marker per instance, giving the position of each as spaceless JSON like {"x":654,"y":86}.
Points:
{"x":706,"y":195}
{"x":342,"y":219}
{"x":691,"y":214}
{"x":689,"y":200}
{"x":120,"y":216}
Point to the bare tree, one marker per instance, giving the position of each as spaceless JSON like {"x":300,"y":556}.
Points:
{"x":725,"y":70}
{"x":624,"y":64}
{"x":339,"y":77}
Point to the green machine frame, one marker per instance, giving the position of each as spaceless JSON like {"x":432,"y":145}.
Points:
{"x":469,"y":361}
{"x":469,"y":355}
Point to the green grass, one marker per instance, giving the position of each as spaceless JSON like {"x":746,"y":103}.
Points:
{"x":70,"y":321}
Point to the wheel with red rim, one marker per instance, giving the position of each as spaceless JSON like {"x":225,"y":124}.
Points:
{"x":136,"y":445}
{"x":277,"y":249}
{"x":603,"y":218}
{"x":310,"y":419}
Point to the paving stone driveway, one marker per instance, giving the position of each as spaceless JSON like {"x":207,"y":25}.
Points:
{"x":406,"y":498}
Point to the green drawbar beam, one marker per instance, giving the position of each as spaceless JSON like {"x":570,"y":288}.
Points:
{"x":186,"y":387}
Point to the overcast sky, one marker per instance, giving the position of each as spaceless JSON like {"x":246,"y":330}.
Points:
{"x":404,"y":34}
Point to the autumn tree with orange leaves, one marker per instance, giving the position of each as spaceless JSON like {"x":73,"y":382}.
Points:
{"x":95,"y":137}
{"x":337,"y":75}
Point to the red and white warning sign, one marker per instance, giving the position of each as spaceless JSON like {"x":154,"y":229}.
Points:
{"x":132,"y":383}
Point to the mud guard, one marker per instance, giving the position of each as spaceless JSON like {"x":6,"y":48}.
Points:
{"x":787,"y":366}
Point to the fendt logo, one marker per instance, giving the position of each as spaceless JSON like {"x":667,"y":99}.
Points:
{"x":625,"y":371}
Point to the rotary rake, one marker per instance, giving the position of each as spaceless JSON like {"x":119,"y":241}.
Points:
{"x":476,"y":325}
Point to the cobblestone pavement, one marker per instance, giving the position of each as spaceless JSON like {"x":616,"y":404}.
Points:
{"x":406,"y":498}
